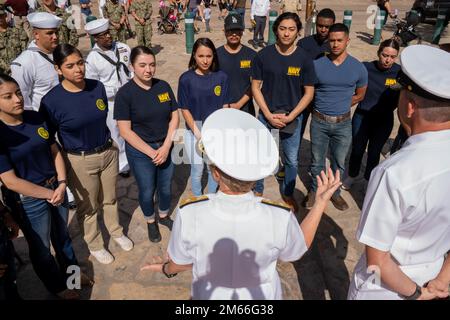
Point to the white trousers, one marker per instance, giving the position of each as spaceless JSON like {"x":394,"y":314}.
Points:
{"x":112,"y":125}
{"x":367,"y":286}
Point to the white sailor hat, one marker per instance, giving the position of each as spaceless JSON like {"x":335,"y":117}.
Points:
{"x":44,"y":20}
{"x":97,"y":26}
{"x":425,"y":72}
{"x":239,"y":145}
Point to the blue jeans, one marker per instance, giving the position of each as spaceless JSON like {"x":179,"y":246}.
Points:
{"x":370,"y":130}
{"x":241,"y":12}
{"x":197,"y":165}
{"x":336,"y":136}
{"x":290,"y":144}
{"x":149,"y":178}
{"x":41,"y":223}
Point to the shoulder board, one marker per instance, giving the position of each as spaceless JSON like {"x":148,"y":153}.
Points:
{"x":191,"y":200}
{"x":15,"y":64}
{"x":280,"y":205}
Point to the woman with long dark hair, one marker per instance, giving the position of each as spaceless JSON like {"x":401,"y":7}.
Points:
{"x":373,"y":119}
{"x":76,"y":110}
{"x":33,"y":174}
{"x":202,"y":90}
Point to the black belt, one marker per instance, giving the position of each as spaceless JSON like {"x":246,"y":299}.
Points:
{"x":48,"y":182}
{"x":99,"y":149}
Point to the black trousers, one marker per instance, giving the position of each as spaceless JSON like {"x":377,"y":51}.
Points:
{"x":258,"y":34}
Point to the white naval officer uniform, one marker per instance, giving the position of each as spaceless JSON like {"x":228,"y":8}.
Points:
{"x":33,"y":69}
{"x":234,"y":241}
{"x":98,"y":68}
{"x":407,"y":206}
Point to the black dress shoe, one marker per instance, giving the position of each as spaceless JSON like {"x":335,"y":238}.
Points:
{"x":125,"y":174}
{"x":153,"y":232}
{"x":166,"y":221}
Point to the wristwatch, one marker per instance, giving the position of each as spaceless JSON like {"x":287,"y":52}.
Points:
{"x":415,"y":295}
{"x":168,"y":275}
{"x":61,"y":182}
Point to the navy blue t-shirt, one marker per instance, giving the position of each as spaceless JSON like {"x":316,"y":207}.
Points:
{"x":238,"y":68}
{"x":313,"y":47}
{"x":379,"y":97}
{"x":203,"y":94}
{"x":149,"y":111}
{"x":337,"y":84}
{"x":25,"y":148}
{"x":283,"y":76}
{"x":79,"y":118}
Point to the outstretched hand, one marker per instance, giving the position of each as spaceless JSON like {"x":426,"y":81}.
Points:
{"x":327,"y":185}
{"x":156,"y":265}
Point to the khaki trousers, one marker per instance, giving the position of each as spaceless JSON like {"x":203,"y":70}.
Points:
{"x":92,"y":179}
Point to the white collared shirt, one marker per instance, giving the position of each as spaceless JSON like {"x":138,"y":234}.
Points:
{"x":99,"y":69}
{"x":234,"y":242}
{"x":407,"y":206}
{"x":259,"y":8}
{"x":35,"y":75}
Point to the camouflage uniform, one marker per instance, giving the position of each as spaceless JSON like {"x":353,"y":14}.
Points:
{"x":65,"y":34}
{"x":143,"y":9}
{"x":114,"y":12}
{"x":12,"y":42}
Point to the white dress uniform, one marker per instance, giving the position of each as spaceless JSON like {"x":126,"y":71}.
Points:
{"x":407,"y":206}
{"x":99,"y":68}
{"x":234,"y":241}
{"x":34,"y":70}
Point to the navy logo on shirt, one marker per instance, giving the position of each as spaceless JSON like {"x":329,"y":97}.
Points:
{"x":217,"y":90}
{"x":293,"y":71}
{"x":43,"y":133}
{"x":390,"y":82}
{"x":245,"y":64}
{"x":100,"y":104}
{"x":164,"y":97}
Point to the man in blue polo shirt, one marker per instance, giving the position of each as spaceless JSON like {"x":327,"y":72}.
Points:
{"x":342,"y":83}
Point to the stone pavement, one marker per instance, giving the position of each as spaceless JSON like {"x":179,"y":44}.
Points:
{"x":323,"y":273}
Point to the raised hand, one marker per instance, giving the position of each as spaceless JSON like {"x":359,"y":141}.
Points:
{"x":327,"y":185}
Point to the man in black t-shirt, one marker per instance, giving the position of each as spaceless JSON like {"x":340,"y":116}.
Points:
{"x":235,"y":60}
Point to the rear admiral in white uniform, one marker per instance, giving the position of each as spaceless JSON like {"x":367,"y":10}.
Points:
{"x":33,"y":69}
{"x":405,"y":221}
{"x":232,"y":240}
{"x":108,"y":62}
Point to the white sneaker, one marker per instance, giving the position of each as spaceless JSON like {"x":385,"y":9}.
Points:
{"x":347,"y":183}
{"x":103,"y":256}
{"x":124,"y":242}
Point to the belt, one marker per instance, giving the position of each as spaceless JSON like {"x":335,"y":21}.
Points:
{"x":48,"y":181}
{"x":332,"y":119}
{"x":99,"y":149}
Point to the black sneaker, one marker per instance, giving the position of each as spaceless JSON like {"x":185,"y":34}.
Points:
{"x":153,"y":232}
{"x":166,"y":221}
{"x":253,"y":43}
{"x":261,"y":44}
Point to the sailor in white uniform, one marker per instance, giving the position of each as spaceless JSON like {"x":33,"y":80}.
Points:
{"x":405,"y":221}
{"x":33,"y":69}
{"x":232,"y":240}
{"x":109,"y":63}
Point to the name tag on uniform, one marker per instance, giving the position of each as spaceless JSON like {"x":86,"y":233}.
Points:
{"x":164,"y":97}
{"x":245,"y":64}
{"x":293,"y":71}
{"x":390,"y":82}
